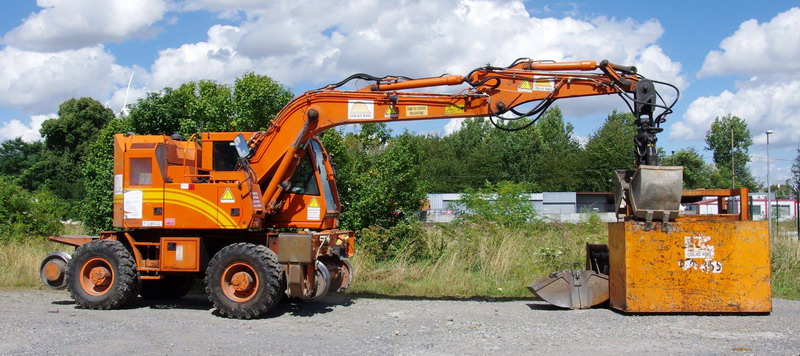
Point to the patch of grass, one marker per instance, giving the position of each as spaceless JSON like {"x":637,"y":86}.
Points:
{"x":472,"y":259}
{"x":19,"y":262}
{"x":786,"y":262}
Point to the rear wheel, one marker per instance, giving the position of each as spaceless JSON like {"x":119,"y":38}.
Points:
{"x":244,"y":280}
{"x":170,"y":287}
{"x":102,"y":275}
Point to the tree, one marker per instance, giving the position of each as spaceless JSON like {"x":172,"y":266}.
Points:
{"x":97,"y":206}
{"x":558,"y":165}
{"x":696,"y":172}
{"x":378,"y":176}
{"x":730,"y":140}
{"x":76,"y":126}
{"x":608,"y":149}
{"x":206,"y":105}
{"x":257,"y":99}
{"x":25,"y":214}
{"x":17,"y":157}
{"x":66,"y":139}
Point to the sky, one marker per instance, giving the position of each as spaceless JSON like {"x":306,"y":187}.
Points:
{"x":737,"y":57}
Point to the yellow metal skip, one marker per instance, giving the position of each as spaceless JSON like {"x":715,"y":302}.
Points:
{"x":692,"y":267}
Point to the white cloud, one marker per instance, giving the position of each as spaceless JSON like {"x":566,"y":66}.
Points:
{"x":768,"y":54}
{"x":38,"y":82}
{"x":415,"y":38}
{"x":453,"y":125}
{"x":769,"y":48}
{"x":29,"y":132}
{"x":763,"y":106}
{"x":215,"y":59}
{"x":71,"y":24}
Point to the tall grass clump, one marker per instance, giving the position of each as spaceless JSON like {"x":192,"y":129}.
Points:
{"x":27,"y":218}
{"x":495,"y":249}
{"x":786,"y":262}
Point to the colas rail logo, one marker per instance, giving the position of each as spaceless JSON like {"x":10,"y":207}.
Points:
{"x":360,"y":109}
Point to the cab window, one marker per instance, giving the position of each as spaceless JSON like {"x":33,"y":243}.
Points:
{"x":225,"y":156}
{"x":304,"y":180}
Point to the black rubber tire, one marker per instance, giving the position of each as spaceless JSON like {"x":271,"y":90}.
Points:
{"x":125,"y":283}
{"x":268,"y":273}
{"x":169,"y":287}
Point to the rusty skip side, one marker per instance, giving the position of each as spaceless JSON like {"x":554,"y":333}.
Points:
{"x":693,"y":267}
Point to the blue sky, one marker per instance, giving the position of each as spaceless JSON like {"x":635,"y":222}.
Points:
{"x":739,"y":57}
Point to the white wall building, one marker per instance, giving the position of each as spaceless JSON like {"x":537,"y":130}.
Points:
{"x":782,"y":209}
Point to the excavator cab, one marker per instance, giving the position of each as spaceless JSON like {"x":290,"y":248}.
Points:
{"x":311,"y":200}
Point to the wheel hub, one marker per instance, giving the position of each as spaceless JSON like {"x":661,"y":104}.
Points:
{"x":52,"y":270}
{"x":100,"y":276}
{"x":241,"y":281}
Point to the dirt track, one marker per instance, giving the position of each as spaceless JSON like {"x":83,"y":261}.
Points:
{"x":41,"y":322}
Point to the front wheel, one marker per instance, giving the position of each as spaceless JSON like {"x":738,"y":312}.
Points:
{"x":102,"y":275}
{"x":243,"y":280}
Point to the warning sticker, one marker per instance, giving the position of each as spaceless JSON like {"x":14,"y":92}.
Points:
{"x":453,"y":110}
{"x":360,"y":109}
{"x":525,"y":86}
{"x":313,"y":211}
{"x":543,"y":84}
{"x":391,"y":112}
{"x":417,"y":110}
{"x":227,"y":197}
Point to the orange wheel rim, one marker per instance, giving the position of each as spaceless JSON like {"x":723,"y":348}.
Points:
{"x":240,"y":282}
{"x":97,"y":276}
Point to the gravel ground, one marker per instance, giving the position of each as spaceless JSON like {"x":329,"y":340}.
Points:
{"x":45,"y":322}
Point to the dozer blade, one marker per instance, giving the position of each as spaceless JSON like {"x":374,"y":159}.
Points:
{"x":572,"y":289}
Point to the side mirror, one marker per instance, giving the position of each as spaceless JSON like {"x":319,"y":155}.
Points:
{"x":241,"y":146}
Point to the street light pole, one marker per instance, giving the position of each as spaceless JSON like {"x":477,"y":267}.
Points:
{"x":769,"y":189}
{"x":733,"y":166}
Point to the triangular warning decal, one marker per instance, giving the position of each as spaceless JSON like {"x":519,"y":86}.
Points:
{"x":313,"y":203}
{"x":525,"y":85}
{"x":391,"y":112}
{"x":227,"y":197}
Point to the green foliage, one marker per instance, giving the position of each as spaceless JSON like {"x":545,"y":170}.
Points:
{"x":257,"y":99}
{"x":66,"y":139}
{"x":504,"y":203}
{"x":206,"y":106}
{"x":611,"y":147}
{"x":97,"y":206}
{"x":76,"y":126}
{"x":386,"y":244}
{"x":696,"y":172}
{"x":17,"y":160}
{"x":559,"y":165}
{"x":730,"y":140}
{"x":377,"y":175}
{"x":25,"y":214}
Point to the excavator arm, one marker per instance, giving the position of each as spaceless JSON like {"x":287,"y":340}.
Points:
{"x":499,"y":93}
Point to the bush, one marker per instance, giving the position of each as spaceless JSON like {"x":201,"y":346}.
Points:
{"x":25,"y":214}
{"x":504,"y":203}
{"x":382,"y":244}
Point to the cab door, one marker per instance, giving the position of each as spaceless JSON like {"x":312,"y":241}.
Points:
{"x":310,"y":202}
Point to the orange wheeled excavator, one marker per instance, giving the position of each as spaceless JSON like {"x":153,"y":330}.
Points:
{"x":255,"y":214}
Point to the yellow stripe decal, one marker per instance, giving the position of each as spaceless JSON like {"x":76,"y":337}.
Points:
{"x":187,"y":200}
